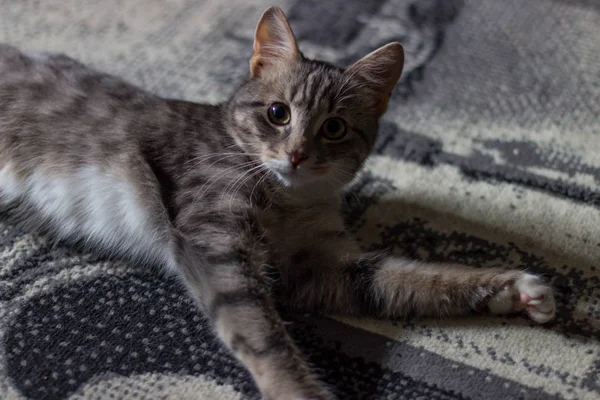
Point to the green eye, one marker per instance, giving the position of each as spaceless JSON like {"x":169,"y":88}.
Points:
{"x":333,"y":129}
{"x":279,"y":114}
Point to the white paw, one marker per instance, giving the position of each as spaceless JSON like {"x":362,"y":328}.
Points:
{"x":529,"y":293}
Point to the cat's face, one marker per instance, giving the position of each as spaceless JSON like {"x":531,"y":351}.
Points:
{"x":307,"y":121}
{"x":296,"y":124}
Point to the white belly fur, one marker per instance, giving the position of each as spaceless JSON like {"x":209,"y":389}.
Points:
{"x":93,"y":205}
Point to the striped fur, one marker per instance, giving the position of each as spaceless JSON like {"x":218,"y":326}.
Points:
{"x":209,"y":194}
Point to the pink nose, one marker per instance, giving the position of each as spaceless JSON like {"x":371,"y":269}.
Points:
{"x":297,"y":157}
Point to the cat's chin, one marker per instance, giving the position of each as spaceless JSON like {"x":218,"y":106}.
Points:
{"x":288,"y":176}
{"x":309,"y":186}
{"x":293,"y":179}
{"x":301,"y":178}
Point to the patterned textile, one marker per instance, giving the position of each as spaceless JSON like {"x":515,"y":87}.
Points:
{"x":489,"y":155}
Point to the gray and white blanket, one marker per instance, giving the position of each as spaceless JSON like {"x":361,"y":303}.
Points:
{"x":489,"y":155}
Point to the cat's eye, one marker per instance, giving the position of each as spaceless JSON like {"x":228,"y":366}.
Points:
{"x":279,"y":114}
{"x":333,"y":129}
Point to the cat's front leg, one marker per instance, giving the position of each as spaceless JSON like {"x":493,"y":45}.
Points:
{"x":217,"y":259}
{"x":331,"y":276}
{"x":529,"y":293}
{"x":412,"y":287}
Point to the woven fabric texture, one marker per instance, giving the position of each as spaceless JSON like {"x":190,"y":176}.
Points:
{"x":489,"y":155}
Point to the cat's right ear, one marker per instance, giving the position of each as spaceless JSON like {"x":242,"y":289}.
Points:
{"x":274,"y":42}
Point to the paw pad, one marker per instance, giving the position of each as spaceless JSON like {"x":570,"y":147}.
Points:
{"x":529,"y":293}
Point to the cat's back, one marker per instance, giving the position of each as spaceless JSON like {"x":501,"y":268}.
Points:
{"x":55,"y":81}
{"x":15,"y":61}
{"x":51,"y":104}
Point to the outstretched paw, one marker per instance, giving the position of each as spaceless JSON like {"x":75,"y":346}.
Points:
{"x":529,"y":293}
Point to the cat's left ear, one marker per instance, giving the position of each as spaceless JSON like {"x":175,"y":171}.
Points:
{"x":274,"y":42}
{"x":377,"y":74}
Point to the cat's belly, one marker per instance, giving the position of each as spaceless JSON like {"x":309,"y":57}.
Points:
{"x":96,"y":207}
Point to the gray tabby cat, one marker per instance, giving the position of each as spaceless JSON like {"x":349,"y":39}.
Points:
{"x":220,"y":195}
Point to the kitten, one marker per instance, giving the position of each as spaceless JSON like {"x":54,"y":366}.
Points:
{"x":216,"y":194}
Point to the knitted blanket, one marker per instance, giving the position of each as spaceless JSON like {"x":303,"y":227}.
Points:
{"x":489,"y":155}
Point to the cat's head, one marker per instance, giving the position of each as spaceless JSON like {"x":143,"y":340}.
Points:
{"x":308,"y":121}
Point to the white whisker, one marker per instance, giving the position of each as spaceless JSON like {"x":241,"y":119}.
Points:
{"x":252,"y":172}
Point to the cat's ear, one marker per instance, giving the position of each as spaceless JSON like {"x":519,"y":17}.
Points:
{"x":274,"y":42}
{"x":377,"y":74}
